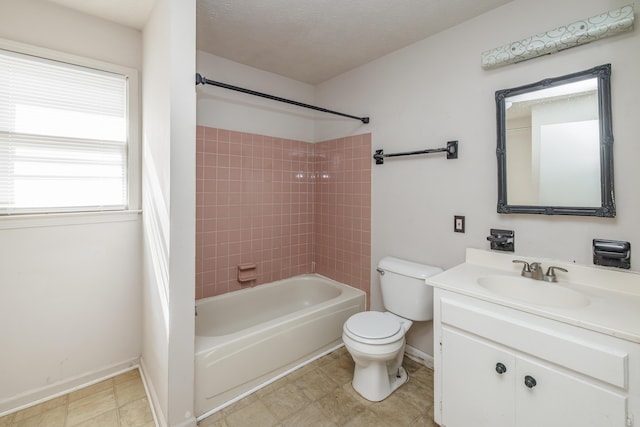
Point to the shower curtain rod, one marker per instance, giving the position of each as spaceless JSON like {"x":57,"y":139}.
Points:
{"x":203,"y":80}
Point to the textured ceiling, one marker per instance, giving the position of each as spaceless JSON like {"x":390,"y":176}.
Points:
{"x":308,"y":40}
{"x":315,"y":40}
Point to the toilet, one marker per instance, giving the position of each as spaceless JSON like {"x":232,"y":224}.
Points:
{"x":375,"y":339}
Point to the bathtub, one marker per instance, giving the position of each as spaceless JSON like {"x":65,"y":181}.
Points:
{"x":248,"y":338}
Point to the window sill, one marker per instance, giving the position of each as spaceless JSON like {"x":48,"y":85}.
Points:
{"x":59,"y":219}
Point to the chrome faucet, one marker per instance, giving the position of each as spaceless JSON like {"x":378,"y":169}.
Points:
{"x":534,"y":271}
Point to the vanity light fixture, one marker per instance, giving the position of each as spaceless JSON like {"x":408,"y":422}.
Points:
{"x":607,"y":24}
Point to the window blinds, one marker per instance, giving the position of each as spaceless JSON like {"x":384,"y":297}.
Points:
{"x":63,"y":137}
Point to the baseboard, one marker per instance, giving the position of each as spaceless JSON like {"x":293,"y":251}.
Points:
{"x":60,"y":388}
{"x":419,"y":356}
{"x":154,"y":403}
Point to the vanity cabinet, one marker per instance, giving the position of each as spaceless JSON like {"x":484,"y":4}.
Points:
{"x":496,"y":366}
{"x":485,"y":384}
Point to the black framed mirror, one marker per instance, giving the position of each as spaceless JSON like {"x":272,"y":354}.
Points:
{"x":555,"y":146}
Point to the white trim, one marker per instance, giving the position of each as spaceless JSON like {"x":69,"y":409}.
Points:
{"x":11,"y":222}
{"x":151,"y":396}
{"x":419,"y":356}
{"x":56,"y":55}
{"x":34,"y":397}
{"x":133,"y":105}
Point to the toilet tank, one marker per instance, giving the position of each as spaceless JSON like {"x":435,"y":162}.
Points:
{"x":404,"y":291}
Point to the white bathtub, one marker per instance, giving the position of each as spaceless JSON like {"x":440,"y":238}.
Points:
{"x":245,"y":339}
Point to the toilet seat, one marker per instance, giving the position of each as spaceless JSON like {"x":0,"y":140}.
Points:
{"x":373,"y":327}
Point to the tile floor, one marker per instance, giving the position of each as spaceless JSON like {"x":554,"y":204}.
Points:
{"x":118,"y":401}
{"x":320,"y":394}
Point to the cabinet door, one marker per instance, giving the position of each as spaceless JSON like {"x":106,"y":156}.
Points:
{"x":559,"y":399}
{"x":473,"y":392}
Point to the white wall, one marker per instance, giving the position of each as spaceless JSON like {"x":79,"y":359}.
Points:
{"x":227,"y":109}
{"x":155,"y":208}
{"x":42,"y":23}
{"x":69,"y":307}
{"x":434,"y":91}
{"x":169,"y":136}
{"x":69,"y":294}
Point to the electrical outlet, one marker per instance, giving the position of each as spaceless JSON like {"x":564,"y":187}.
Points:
{"x":458,"y":224}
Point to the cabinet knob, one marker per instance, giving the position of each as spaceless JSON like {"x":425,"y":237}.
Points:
{"x":500,"y":368}
{"x":529,"y":381}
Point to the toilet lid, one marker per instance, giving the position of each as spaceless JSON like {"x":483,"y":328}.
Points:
{"x":373,"y":325}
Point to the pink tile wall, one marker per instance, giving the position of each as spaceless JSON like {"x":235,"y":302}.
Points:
{"x":267,"y":200}
{"x":342,"y":249}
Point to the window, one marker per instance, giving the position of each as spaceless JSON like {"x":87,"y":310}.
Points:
{"x":64,"y":136}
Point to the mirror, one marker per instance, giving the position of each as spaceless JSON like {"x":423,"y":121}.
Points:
{"x":555,"y":146}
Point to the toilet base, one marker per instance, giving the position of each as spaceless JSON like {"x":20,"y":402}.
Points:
{"x":397,"y":380}
{"x":377,"y":389}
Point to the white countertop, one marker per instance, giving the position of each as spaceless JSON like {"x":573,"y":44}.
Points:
{"x":614,"y":307}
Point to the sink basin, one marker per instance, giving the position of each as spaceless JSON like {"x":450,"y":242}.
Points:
{"x":534,"y":291}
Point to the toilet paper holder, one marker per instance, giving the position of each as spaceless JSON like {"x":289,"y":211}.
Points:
{"x":612,"y":253}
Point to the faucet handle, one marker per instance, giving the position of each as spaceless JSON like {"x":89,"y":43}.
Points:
{"x":550,"y":276}
{"x":526,"y":269}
